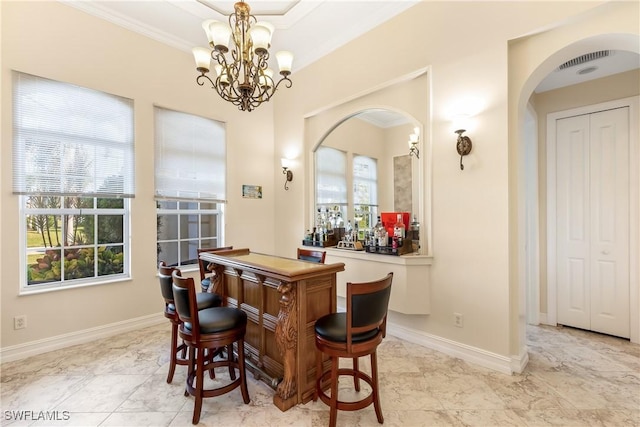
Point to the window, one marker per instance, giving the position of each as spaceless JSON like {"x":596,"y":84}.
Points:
{"x":331,"y":184}
{"x":190,"y":185}
{"x":365,"y":191}
{"x":332,"y":197}
{"x":73,"y":168}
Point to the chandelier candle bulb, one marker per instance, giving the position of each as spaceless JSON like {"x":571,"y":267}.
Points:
{"x":285,"y":61}
{"x":203,"y":59}
{"x":222,"y":76}
{"x":205,"y":27}
{"x":219,"y":33}
{"x":261,"y":38}
{"x":267,"y":78}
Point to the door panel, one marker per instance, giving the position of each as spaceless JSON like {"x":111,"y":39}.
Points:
{"x":572,"y":221}
{"x":592,"y":221}
{"x":609,"y":162}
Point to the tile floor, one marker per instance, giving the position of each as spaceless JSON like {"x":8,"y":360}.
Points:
{"x":574,"y":378}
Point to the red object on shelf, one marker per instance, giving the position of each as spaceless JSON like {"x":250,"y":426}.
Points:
{"x":389,"y":219}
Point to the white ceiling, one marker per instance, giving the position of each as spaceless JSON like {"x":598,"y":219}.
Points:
{"x":308,"y":28}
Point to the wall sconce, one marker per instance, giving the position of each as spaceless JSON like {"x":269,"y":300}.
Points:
{"x":413,"y":143}
{"x":463,"y":145}
{"x":285,"y":170}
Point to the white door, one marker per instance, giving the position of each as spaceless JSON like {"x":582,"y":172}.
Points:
{"x":592,"y":222}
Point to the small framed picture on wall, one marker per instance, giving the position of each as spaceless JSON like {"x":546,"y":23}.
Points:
{"x":252,"y":191}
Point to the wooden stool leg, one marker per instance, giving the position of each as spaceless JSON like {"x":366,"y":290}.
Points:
{"x":376,"y":395}
{"x":243,"y":377}
{"x":318,"y":375}
{"x":199,"y":385}
{"x":174,"y":351}
{"x":333,"y":412}
{"x":356,"y":379}
{"x":232,"y":372}
{"x":192,"y":360}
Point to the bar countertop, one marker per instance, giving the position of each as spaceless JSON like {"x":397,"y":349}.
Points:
{"x":288,"y":268}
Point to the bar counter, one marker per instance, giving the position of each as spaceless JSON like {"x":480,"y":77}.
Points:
{"x":283,"y":298}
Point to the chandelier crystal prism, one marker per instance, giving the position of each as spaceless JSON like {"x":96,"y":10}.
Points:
{"x":244,"y":79}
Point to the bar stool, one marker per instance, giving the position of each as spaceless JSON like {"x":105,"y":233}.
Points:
{"x":203,"y":300}
{"x":312,"y":255}
{"x":205,"y":331}
{"x":353,"y":334}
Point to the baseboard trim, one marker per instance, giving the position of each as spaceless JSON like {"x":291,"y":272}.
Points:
{"x":465,"y":352}
{"x":32,"y":348}
{"x":507,"y":365}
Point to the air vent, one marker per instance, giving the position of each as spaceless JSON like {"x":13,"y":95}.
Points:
{"x":585,"y":58}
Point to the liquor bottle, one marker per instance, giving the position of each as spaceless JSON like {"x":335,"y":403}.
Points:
{"x":380,"y":233}
{"x":339,"y":220}
{"x":348,"y":230}
{"x":383,"y":238}
{"x":415,"y":229}
{"x":415,"y":235}
{"x":398,"y":228}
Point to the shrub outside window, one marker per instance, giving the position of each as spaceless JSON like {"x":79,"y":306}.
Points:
{"x":74,"y":239}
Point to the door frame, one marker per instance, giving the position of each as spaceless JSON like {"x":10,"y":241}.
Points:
{"x":634,"y":207}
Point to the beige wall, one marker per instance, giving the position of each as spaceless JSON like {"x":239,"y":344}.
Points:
{"x":596,"y":91}
{"x":465,"y":46}
{"x":56,"y":41}
{"x":468,"y":49}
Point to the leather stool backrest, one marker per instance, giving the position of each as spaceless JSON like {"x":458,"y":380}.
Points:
{"x":369,"y":309}
{"x":311,"y":255}
{"x":367,"y":306}
{"x":166,"y":281}
{"x":184,"y":298}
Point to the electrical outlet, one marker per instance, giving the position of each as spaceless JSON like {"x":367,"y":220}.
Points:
{"x":457,"y":320}
{"x":20,"y":322}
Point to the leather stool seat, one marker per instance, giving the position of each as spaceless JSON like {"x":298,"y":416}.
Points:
{"x":333,"y":327}
{"x":219,"y":319}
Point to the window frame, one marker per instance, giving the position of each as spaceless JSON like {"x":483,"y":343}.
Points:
{"x":25,"y":250}
{"x":373,"y":208}
{"x":52,"y":115}
{"x":166,"y":123}
{"x":219,"y":214}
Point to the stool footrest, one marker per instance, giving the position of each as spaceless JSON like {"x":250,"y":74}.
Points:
{"x":344,"y":405}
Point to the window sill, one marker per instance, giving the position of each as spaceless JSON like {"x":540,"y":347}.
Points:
{"x":44,"y":289}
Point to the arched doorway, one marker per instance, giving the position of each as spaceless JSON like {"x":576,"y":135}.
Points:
{"x":527,"y":251}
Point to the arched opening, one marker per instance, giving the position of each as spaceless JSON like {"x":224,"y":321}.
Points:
{"x":532,"y":258}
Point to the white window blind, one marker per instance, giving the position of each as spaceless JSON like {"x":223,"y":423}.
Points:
{"x":331,"y":176}
{"x":365,"y":181}
{"x":70,"y":140}
{"x":190,"y":157}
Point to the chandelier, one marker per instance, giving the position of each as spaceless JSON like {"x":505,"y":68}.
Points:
{"x":244,"y":79}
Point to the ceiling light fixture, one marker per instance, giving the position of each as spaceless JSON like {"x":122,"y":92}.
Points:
{"x":246,"y":80}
